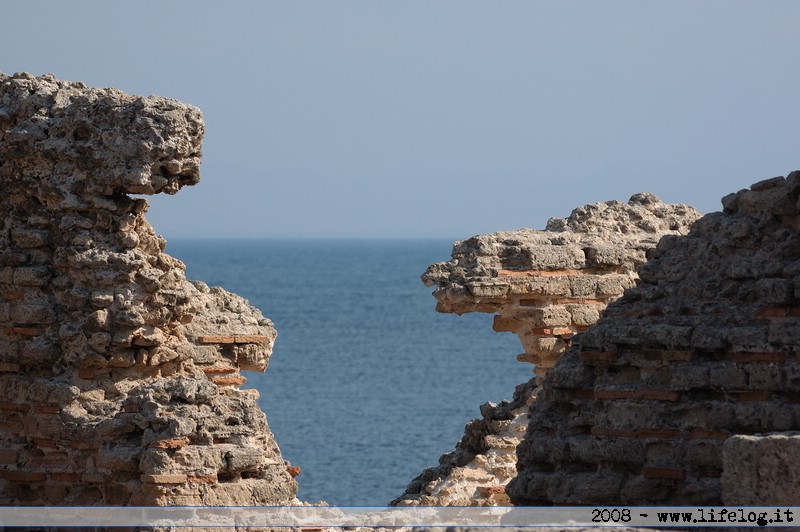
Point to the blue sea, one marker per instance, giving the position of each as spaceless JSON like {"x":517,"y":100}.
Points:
{"x":368,"y":384}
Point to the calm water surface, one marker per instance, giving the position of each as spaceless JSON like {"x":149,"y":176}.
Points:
{"x":367,"y":384}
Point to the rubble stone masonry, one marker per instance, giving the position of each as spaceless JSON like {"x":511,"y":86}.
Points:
{"x":546,"y":287}
{"x":702,"y":353}
{"x":119,"y":379}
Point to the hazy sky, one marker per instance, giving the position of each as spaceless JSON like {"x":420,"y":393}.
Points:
{"x":438,"y":118}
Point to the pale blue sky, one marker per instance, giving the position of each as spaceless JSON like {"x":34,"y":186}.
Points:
{"x":438,"y":118}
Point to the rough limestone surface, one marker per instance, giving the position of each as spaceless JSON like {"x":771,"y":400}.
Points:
{"x":705,"y":347}
{"x":483,"y":462}
{"x":119,"y":379}
{"x":546,"y":287}
{"x":761,"y":470}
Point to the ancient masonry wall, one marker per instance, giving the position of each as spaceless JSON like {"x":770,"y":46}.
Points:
{"x":119,"y":379}
{"x":546,"y":287}
{"x":657,"y":401}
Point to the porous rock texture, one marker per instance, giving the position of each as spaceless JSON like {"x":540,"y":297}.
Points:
{"x":705,"y":347}
{"x":761,"y":470}
{"x":546,"y":287}
{"x":119,"y":379}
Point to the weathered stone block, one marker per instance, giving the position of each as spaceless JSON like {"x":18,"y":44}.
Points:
{"x":592,"y":488}
{"x":554,"y":257}
{"x":761,"y":470}
{"x":149,"y":336}
{"x":709,"y":338}
{"x":686,"y":376}
{"x":784,"y":332}
{"x":546,"y":450}
{"x":747,"y":338}
{"x":6,"y":275}
{"x":606,"y":450}
{"x":488,"y":289}
{"x":207,"y":354}
{"x":199,"y":460}
{"x":600,"y":255}
{"x":614,"y":285}
{"x":703,"y":455}
{"x":128,"y":319}
{"x":639,"y":488}
{"x":584,"y":315}
{"x":552,"y":316}
{"x":29,"y":238}
{"x":765,"y":377}
{"x":41,"y":314}
{"x":243,"y":459}
{"x":703,"y":491}
{"x":102,"y":298}
{"x":661,"y":454}
{"x":583,"y":286}
{"x":251,"y":357}
{"x":32,"y":276}
{"x":543,"y":286}
{"x":668,"y":336}
{"x":751,"y":416}
{"x":544,"y":345}
{"x":775,"y":291}
{"x":8,"y":349}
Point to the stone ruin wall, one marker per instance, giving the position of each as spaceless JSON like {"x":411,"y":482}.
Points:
{"x":546,"y":287}
{"x":119,"y":379}
{"x":687,"y":391}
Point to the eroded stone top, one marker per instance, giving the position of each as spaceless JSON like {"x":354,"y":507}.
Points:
{"x":643,"y":214}
{"x":96,"y":141}
{"x":603,"y":237}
